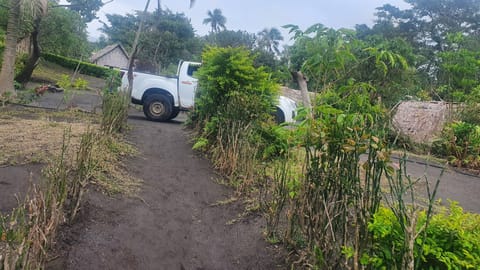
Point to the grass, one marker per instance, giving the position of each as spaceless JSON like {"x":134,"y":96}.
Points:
{"x":47,"y":72}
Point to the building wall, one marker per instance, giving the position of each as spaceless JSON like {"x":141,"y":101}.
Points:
{"x":115,"y":58}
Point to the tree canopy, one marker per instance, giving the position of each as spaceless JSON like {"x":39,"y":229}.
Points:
{"x":63,"y":32}
{"x":168,"y":38}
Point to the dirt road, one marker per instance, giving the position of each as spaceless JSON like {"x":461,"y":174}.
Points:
{"x":173,"y":225}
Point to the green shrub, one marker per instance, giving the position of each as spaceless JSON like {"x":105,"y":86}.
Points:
{"x":228,"y":77}
{"x":80,"y":83}
{"x":64,"y":82}
{"x":470,"y":111}
{"x":20,"y":62}
{"x":452,"y":240}
{"x":352,"y":97}
{"x":233,"y":106}
{"x":85,"y":68}
{"x":460,"y":142}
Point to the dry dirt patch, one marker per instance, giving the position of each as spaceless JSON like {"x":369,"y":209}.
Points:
{"x":36,"y":140}
{"x":37,"y":136}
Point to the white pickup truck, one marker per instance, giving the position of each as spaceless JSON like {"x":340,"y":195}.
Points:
{"x":164,"y":97}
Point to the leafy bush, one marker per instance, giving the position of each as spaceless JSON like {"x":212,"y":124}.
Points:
{"x":228,"y":77}
{"x":85,"y":68}
{"x":352,"y":97}
{"x":233,"y":105}
{"x":64,"y":82}
{"x":80,"y":83}
{"x":20,"y":62}
{"x":460,"y":142}
{"x":470,"y":111}
{"x":451,"y":241}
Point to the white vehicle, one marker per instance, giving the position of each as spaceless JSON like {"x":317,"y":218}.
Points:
{"x":164,"y":97}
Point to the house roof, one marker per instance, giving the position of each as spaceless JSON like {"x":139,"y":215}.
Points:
{"x":107,"y":50}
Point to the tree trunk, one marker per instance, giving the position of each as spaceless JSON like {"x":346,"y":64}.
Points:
{"x":25,"y":75}
{"x":133,"y":54}
{"x":7,"y":72}
{"x":302,"y":83}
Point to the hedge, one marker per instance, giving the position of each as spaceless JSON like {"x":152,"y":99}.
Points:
{"x":85,"y":68}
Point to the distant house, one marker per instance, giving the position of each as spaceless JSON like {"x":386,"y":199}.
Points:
{"x":111,"y":56}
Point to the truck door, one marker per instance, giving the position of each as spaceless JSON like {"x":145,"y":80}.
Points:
{"x":187,"y":84}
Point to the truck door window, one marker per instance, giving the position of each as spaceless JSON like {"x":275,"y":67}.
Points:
{"x":192,"y":69}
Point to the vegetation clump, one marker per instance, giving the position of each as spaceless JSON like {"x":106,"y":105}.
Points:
{"x":450,"y":241}
{"x":234,"y":102}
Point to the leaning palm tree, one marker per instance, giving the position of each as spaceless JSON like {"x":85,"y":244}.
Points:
{"x":269,"y":40}
{"x":216,"y":20}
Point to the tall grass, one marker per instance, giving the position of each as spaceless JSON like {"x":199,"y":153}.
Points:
{"x":114,"y":106}
{"x":234,"y":153}
{"x":114,"y":113}
{"x":29,"y":230}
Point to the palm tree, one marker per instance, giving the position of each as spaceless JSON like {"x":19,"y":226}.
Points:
{"x":17,"y":9}
{"x":216,"y":20}
{"x":269,"y":40}
{"x":10,"y":53}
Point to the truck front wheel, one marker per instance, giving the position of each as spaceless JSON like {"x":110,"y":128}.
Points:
{"x":157,"y":107}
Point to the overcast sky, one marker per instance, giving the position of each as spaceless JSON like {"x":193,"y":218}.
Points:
{"x":255,"y":15}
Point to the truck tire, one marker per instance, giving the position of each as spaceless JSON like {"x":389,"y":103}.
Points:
{"x":279,"y":116}
{"x":157,"y":107}
{"x":174,"y":114}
